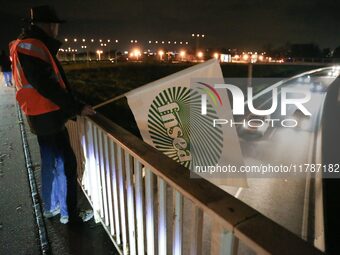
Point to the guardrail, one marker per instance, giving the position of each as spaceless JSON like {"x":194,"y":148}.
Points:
{"x":148,"y":204}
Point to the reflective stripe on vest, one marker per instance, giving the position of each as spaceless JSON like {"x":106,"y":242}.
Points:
{"x":28,"y":86}
{"x":30,"y":100}
{"x":38,"y":51}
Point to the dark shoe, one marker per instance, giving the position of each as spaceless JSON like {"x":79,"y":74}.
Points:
{"x":86,"y":215}
{"x":83,"y":216}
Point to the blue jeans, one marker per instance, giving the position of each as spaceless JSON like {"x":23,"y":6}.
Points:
{"x":8,"y":78}
{"x":58,"y":173}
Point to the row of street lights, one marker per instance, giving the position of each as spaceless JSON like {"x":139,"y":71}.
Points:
{"x":75,"y":40}
{"x":91,"y":40}
{"x":169,"y":42}
{"x":136,"y":53}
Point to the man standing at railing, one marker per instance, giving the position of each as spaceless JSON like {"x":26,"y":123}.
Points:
{"x":44,"y":95}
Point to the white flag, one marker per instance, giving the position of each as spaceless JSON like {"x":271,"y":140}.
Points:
{"x":169,"y":116}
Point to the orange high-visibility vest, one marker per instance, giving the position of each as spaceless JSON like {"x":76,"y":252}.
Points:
{"x":29,"y":99}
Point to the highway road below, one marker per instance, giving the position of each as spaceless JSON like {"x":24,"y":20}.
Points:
{"x":289,"y":199}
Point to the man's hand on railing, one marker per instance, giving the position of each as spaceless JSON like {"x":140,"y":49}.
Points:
{"x":87,"y":111}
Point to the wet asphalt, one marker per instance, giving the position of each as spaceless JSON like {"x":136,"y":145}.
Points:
{"x":18,"y":229}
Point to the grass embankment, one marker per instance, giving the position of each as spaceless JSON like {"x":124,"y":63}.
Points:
{"x":97,"y":82}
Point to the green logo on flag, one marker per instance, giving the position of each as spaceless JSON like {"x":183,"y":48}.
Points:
{"x":179,"y":130}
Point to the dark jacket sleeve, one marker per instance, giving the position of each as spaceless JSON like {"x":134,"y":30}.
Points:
{"x":41,"y":76}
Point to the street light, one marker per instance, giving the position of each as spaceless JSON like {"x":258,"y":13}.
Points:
{"x":84,"y":40}
{"x":73,"y":55}
{"x":99,"y":52}
{"x":182,"y":54}
{"x":160,"y":53}
{"x":197,"y":37}
{"x":200,"y":54}
{"x":137,"y":53}
{"x":216,"y":55}
{"x":65,"y":39}
{"x":75,"y":39}
{"x":245,"y":57}
{"x":87,"y":53}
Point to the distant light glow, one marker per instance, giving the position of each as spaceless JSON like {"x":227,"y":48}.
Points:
{"x":161,"y":53}
{"x":137,"y":52}
{"x":245,"y":57}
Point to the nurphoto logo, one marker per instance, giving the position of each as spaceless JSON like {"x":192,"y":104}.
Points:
{"x":239,"y":103}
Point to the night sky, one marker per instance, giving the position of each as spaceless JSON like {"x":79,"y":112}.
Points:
{"x":242,"y":24}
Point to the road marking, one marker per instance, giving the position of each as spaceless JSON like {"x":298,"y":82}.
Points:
{"x":311,"y":159}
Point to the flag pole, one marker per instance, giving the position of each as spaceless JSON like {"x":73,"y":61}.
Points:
{"x":108,"y":101}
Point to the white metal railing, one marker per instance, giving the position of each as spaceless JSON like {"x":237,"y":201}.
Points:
{"x":148,"y":204}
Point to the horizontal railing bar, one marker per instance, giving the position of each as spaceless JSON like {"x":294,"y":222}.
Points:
{"x":233,"y":214}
